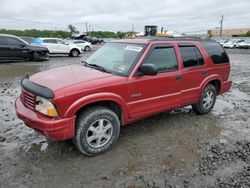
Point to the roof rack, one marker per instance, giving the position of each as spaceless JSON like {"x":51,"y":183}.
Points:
{"x":154,"y":38}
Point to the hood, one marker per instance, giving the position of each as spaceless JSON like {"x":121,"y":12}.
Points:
{"x":36,"y":48}
{"x":59,"y":78}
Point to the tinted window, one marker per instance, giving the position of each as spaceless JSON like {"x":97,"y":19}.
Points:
{"x":191,"y":56}
{"x":50,"y":41}
{"x":13,"y":41}
{"x":216,"y":52}
{"x":164,"y":58}
{"x":2,"y":40}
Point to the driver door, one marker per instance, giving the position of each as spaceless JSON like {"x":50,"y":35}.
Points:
{"x":153,"y":94}
{"x":62,"y":46}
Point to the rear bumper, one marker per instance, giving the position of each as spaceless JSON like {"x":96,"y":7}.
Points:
{"x":225,"y":86}
{"x":53,"y":128}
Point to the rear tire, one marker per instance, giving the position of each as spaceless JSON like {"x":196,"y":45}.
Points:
{"x":87,"y":48}
{"x":74,"y":53}
{"x":206,"y":101}
{"x":97,"y":130}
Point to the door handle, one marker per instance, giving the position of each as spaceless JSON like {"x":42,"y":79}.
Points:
{"x":178,"y":77}
{"x":204,"y":72}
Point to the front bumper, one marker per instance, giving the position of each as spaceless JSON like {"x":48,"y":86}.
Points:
{"x":53,"y":128}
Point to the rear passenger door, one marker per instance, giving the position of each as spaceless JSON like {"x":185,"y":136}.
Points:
{"x":13,"y":49}
{"x":3,"y":48}
{"x":51,"y":44}
{"x":193,"y":72}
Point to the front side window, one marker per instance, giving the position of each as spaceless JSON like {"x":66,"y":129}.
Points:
{"x":60,"y":42}
{"x":164,"y":58}
{"x":53,"y":41}
{"x":191,"y":56}
{"x":117,"y":58}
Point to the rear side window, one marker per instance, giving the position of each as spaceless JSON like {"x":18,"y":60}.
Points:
{"x":2,"y":40}
{"x":13,"y":41}
{"x":216,"y":52}
{"x":164,"y":58}
{"x":191,"y":56}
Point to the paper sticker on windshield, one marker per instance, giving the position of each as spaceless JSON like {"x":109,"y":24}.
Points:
{"x":134,"y":48}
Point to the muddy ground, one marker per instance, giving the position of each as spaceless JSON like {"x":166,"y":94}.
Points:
{"x":172,"y":149}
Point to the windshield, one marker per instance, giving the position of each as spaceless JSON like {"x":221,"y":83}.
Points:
{"x":117,"y":58}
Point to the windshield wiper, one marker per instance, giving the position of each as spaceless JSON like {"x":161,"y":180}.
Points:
{"x":95,"y":66}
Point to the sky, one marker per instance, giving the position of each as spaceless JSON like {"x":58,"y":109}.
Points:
{"x":183,"y":16}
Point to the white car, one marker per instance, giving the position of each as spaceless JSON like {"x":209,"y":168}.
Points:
{"x":86,"y":46}
{"x":233,"y":43}
{"x":222,"y":42}
{"x":245,"y":44}
{"x":59,"y":46}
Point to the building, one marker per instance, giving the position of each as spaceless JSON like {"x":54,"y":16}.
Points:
{"x":228,"y":32}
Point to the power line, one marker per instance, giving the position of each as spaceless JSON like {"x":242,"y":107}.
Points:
{"x":29,"y":21}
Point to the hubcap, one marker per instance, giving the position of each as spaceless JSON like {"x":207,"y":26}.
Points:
{"x":75,"y":53}
{"x":99,"y":133}
{"x":208,"y":99}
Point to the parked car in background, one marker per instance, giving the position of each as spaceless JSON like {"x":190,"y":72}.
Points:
{"x":245,"y":44}
{"x":222,"y":41}
{"x":234,"y":43}
{"x":124,"y":81}
{"x":58,"y":46}
{"x":86,"y":46}
{"x":92,"y":40}
{"x":13,"y":48}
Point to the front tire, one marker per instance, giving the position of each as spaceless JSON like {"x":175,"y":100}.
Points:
{"x":97,"y":130}
{"x":74,"y":53}
{"x":206,"y":101}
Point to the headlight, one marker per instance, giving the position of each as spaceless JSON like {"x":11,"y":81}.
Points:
{"x":45,"y":107}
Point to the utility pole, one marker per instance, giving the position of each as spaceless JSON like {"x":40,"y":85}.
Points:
{"x":221,"y":25}
{"x":86,"y":24}
{"x":132,"y":28}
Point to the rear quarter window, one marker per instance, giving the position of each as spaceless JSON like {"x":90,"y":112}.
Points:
{"x":216,"y":52}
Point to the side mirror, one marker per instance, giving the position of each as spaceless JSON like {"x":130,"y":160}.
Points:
{"x":22,"y":45}
{"x":148,"y":69}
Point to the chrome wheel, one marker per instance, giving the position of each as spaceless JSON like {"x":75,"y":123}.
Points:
{"x":75,"y":53}
{"x":208,"y":99}
{"x":87,"y":48}
{"x":99,"y":133}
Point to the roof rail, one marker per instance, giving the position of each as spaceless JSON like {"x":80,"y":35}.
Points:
{"x":154,"y":38}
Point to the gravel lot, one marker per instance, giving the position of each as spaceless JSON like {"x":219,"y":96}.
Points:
{"x":172,"y":149}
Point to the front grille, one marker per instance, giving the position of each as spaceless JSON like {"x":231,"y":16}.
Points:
{"x":28,"y":99}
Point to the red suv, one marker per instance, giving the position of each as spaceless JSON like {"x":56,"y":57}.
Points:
{"x":124,"y":81}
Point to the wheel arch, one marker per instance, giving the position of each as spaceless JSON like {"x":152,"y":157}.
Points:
{"x":215,"y":80}
{"x":74,"y":49}
{"x":112,"y":101}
